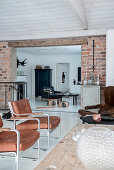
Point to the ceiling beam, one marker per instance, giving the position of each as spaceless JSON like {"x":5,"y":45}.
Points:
{"x":78,"y":9}
{"x":48,"y":42}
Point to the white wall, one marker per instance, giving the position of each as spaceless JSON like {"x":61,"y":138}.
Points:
{"x":60,"y":69}
{"x":49,"y":56}
{"x":110,"y":58}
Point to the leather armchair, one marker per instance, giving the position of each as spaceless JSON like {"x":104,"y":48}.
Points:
{"x":22,"y":108}
{"x":49,"y":93}
{"x":14,"y":141}
{"x":106,"y":109}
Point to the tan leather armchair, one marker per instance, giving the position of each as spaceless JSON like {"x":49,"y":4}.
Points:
{"x":15,"y":141}
{"x":22,"y":108}
{"x":106,"y":109}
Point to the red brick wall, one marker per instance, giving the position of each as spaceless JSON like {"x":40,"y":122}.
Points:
{"x":8,"y":71}
{"x":99,"y":58}
{"x":4,"y":62}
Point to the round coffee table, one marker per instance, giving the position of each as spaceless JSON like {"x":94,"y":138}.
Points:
{"x":89,"y":120}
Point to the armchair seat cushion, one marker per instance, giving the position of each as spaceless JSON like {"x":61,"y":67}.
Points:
{"x":33,"y":124}
{"x":8,"y":140}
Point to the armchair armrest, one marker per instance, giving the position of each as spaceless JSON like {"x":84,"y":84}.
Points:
{"x":98,"y":106}
{"x":21,"y":118}
{"x":24,"y":118}
{"x":28,"y":114}
{"x":46,"y":108}
{"x":4,"y":129}
{"x":49,"y":109}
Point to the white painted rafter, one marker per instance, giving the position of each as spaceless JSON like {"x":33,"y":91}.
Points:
{"x":78,"y":8}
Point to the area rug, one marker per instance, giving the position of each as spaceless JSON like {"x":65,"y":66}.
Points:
{"x":63,"y":156}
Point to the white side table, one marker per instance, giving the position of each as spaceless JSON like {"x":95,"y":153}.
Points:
{"x":90,"y":95}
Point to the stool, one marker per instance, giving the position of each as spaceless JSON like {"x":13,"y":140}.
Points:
{"x":52,"y":102}
{"x":63,"y":104}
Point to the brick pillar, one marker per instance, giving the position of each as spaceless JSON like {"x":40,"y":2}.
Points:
{"x":99,"y":58}
{"x":8,"y":72}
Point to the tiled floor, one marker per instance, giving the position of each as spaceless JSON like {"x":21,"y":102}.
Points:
{"x":69,"y":118}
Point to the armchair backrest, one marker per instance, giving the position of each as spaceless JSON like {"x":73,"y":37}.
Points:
{"x":21,"y":106}
{"x":109,"y":95}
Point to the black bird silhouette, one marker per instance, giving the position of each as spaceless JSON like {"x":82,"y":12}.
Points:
{"x":23,"y":63}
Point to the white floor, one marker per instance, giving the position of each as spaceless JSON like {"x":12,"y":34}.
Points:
{"x":69,"y":118}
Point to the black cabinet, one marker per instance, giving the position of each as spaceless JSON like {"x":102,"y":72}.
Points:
{"x":43,"y":77}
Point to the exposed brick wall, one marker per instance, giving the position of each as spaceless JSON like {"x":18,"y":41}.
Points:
{"x":13,"y":64}
{"x":99,"y":60}
{"x":8,"y":66}
{"x":8,"y":69}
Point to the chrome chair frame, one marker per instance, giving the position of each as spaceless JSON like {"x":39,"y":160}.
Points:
{"x":45,"y":109}
{"x":18,"y":141}
{"x":49,"y":131}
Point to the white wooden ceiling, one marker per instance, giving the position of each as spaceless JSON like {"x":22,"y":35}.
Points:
{"x":36,"y":19}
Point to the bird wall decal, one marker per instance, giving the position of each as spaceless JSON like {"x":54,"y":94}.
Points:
{"x":22,"y":63}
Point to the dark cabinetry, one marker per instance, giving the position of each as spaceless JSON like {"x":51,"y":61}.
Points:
{"x":43,"y":77}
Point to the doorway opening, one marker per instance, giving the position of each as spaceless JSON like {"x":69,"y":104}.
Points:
{"x":62,"y":77}
{"x":68,"y":58}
